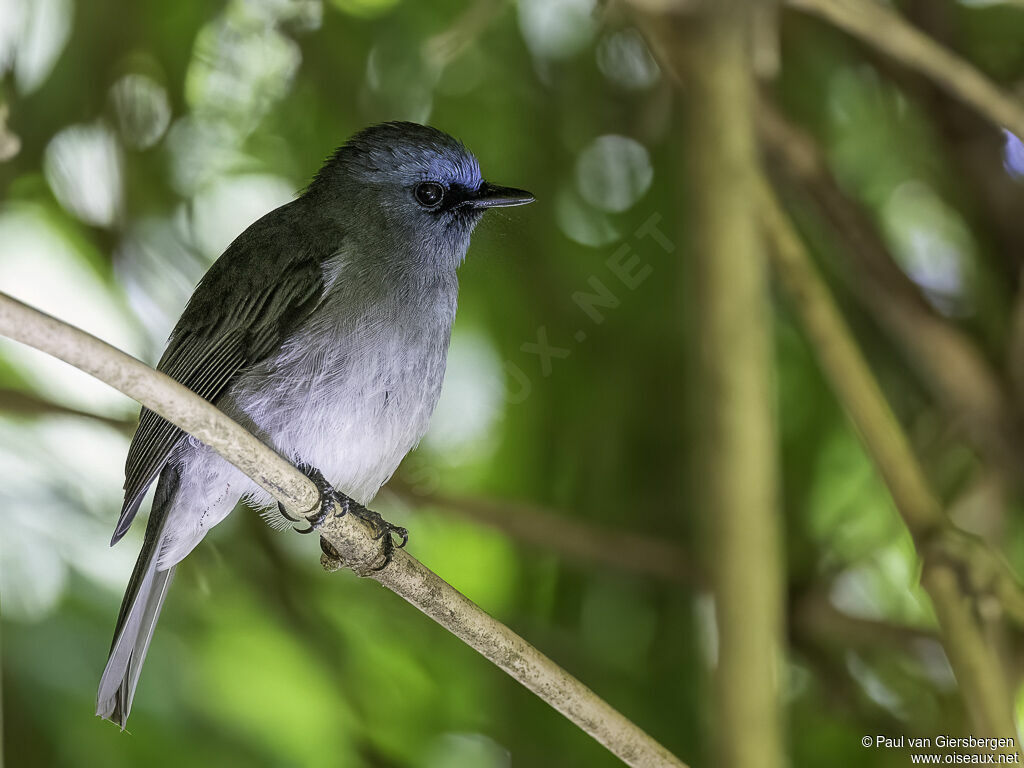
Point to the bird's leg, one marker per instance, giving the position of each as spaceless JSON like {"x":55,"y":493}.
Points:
{"x":382,"y":529}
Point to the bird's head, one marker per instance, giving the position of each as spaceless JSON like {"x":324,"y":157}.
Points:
{"x":411,"y":185}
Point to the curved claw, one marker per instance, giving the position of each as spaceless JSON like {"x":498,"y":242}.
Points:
{"x":328,"y":496}
{"x":284,"y":513}
{"x":308,"y":530}
{"x":386,"y":554}
{"x":387,"y":529}
{"x":388,"y":543}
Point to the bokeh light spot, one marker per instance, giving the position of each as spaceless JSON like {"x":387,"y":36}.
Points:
{"x":624,"y":58}
{"x":557,"y":29}
{"x":142,"y":108}
{"x":613,"y":173}
{"x":83,"y":168}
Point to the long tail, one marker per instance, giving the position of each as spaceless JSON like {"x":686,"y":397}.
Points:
{"x":140,"y":610}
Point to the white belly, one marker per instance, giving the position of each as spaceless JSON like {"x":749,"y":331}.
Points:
{"x":353,"y":416}
{"x":351,"y":401}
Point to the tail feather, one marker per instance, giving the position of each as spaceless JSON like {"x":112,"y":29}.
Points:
{"x":137,"y":619}
{"x":121,"y":675}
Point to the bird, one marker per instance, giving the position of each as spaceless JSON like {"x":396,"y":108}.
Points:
{"x":323,"y":329}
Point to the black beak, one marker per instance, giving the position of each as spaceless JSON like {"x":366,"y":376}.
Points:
{"x":493,"y":196}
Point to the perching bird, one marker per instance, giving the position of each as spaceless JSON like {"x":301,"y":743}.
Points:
{"x":324,"y":330}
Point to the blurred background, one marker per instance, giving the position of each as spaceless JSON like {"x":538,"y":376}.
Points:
{"x":555,"y":487}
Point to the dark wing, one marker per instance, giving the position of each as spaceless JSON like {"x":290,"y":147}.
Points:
{"x":239,"y":315}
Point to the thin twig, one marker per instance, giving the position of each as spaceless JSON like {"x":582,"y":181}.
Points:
{"x":567,"y":537}
{"x":350,"y":539}
{"x":19,"y":403}
{"x":446,"y":46}
{"x":814,"y":616}
{"x":887,"y":31}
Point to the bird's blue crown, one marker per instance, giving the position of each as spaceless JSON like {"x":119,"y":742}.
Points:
{"x":397,"y":151}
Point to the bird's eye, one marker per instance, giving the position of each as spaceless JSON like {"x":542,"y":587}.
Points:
{"x":429,"y":193}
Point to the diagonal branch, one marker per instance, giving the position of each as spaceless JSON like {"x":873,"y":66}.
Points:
{"x":346,"y":537}
{"x":21,"y":403}
{"x":951,"y":559}
{"x":568,"y":537}
{"x":887,"y":31}
{"x":947,"y":360}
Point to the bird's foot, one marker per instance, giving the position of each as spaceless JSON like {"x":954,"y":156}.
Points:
{"x":382,"y":529}
{"x":328,"y":497}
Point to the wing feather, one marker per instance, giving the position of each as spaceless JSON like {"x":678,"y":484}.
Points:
{"x":209,"y":349}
